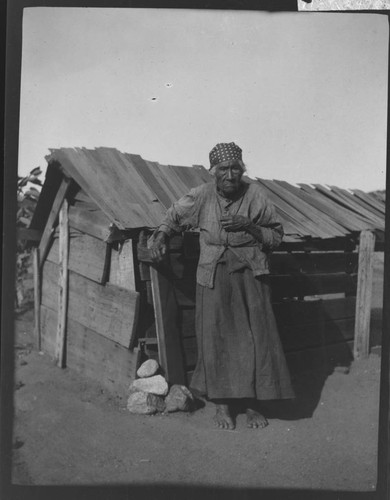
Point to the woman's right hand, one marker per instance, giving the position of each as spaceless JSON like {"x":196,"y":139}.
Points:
{"x":158,"y":247}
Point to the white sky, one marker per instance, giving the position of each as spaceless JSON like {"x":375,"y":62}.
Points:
{"x":304,"y":95}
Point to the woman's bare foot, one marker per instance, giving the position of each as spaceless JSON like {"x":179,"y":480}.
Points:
{"x":255,"y":420}
{"x":223,"y":418}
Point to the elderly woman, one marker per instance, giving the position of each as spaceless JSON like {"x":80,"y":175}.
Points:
{"x":240,"y":357}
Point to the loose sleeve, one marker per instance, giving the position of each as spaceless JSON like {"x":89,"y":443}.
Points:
{"x":182,"y":215}
{"x":269,"y":226}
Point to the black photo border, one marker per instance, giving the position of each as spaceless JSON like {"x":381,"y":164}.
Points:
{"x":12,"y":42}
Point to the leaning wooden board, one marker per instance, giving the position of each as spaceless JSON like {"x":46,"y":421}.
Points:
{"x":109,"y":310}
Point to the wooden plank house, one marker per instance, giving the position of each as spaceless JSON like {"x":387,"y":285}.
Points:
{"x":100,"y":306}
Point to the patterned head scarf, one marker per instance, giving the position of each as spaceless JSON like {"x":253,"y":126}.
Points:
{"x":224,"y":151}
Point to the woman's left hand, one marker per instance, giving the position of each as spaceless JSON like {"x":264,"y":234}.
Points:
{"x":233,"y":223}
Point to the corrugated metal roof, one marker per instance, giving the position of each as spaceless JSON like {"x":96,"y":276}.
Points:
{"x":133,"y":192}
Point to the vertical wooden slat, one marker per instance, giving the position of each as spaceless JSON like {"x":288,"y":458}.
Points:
{"x":168,"y":333}
{"x":63,"y":284}
{"x":49,"y":228}
{"x":125,"y":276}
{"x":37,"y":299}
{"x":364,"y":294}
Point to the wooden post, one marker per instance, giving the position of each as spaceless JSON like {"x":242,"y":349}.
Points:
{"x":49,"y":228}
{"x":364,"y":294}
{"x":168,"y":333}
{"x":37,"y":299}
{"x":126,"y":275}
{"x":63,"y":285}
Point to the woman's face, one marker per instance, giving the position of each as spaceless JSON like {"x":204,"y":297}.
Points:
{"x":228,"y":178}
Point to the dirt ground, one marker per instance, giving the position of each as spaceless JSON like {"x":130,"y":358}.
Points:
{"x":68,"y":432}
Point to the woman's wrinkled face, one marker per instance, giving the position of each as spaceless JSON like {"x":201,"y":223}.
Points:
{"x":228,"y":178}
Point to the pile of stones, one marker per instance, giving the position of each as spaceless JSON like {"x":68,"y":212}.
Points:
{"x":150,"y":393}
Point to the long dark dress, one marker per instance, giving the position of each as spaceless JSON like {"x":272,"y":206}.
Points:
{"x":239,"y":351}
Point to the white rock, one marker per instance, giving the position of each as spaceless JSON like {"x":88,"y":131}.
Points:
{"x":148,"y":368}
{"x":144,"y":403}
{"x":155,"y":385}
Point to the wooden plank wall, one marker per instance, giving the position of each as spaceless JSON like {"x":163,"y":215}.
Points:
{"x":102,"y":309}
{"x":108,"y":310}
{"x":314,"y":297}
{"x":91,"y":355}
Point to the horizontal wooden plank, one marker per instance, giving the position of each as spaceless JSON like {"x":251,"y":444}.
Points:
{"x":313,"y":262}
{"x":92,"y":355}
{"x":312,"y":256}
{"x":108,"y":310}
{"x":86,"y":256}
{"x":282,"y":286}
{"x":312,"y":284}
{"x":298,"y":312}
{"x":348,"y":244}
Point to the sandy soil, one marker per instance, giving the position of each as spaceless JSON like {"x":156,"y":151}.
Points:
{"x":68,"y":432}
